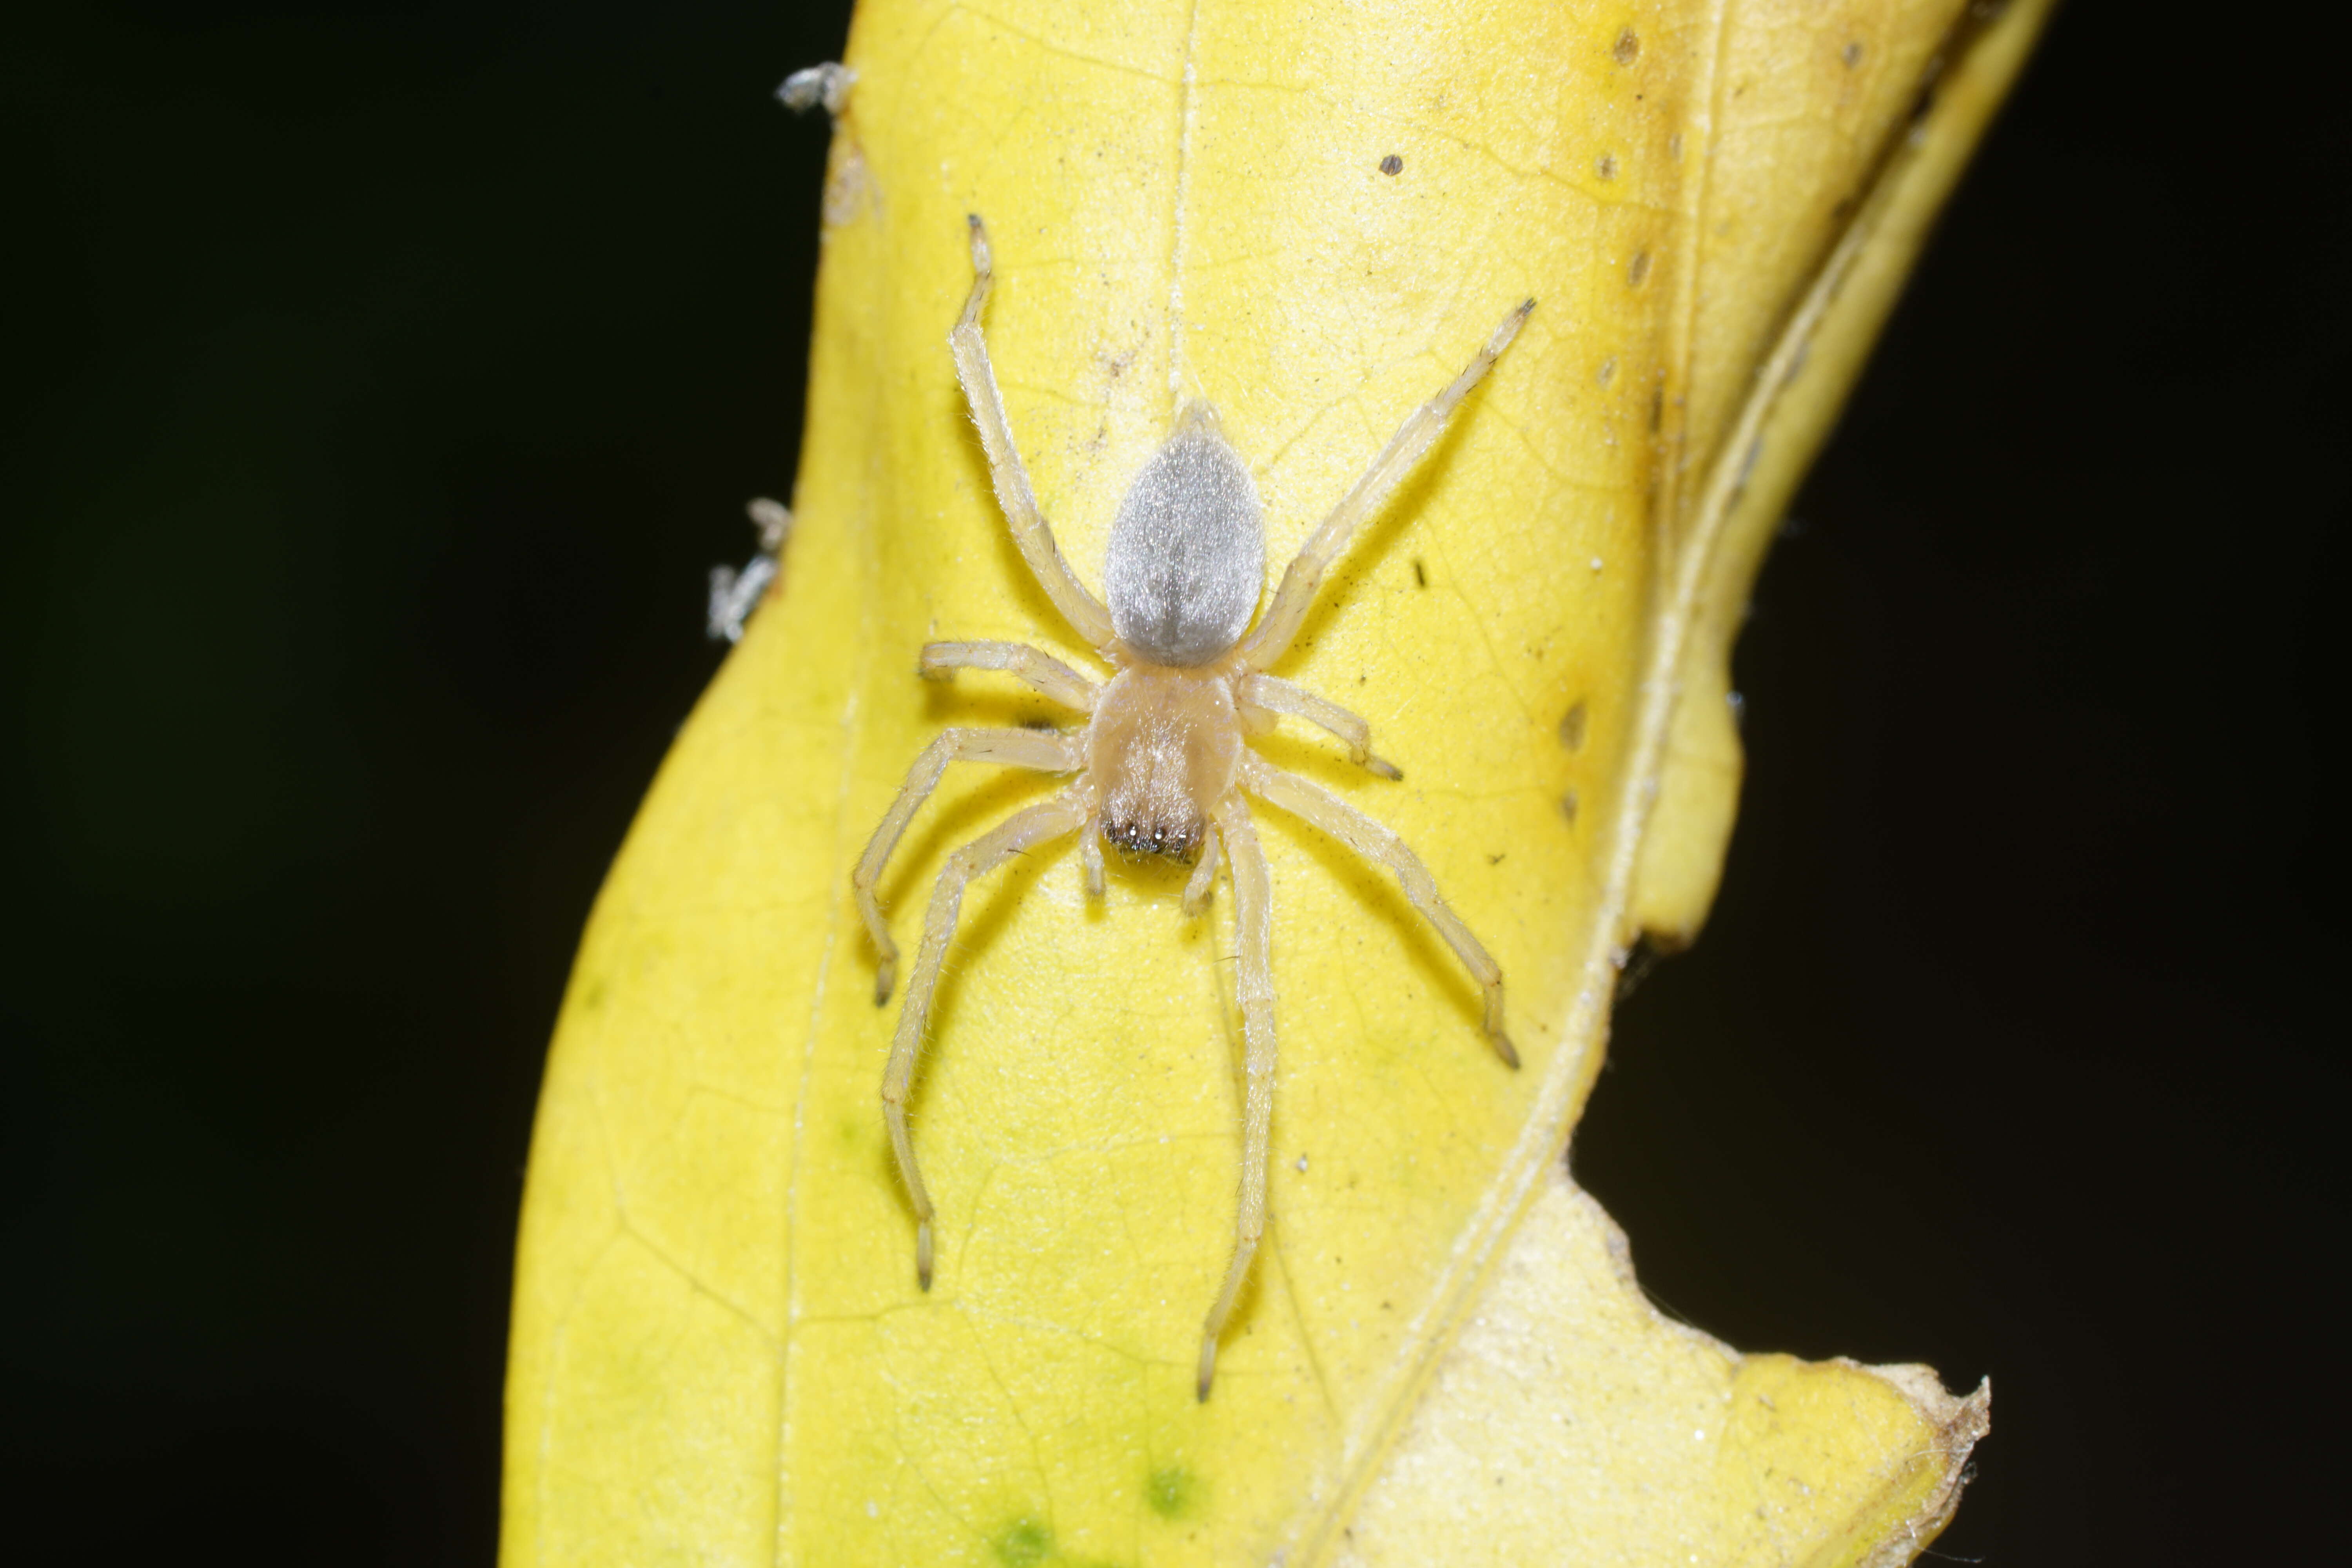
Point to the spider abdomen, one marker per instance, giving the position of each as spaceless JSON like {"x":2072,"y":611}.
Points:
{"x":1187,"y":557}
{"x":1164,"y":747}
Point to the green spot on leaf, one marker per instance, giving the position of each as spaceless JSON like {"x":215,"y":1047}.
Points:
{"x":1023,"y":1543}
{"x":1169,"y":1490}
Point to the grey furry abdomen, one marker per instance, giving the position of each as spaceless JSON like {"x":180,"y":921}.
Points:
{"x":1187,"y":554}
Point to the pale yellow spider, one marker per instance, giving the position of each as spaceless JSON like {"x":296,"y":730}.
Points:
{"x":1160,"y":766}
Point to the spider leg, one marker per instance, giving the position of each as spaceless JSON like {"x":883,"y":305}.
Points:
{"x":1254,"y":986}
{"x":1045,"y":751}
{"x":1304,"y":578}
{"x":1042,"y":672}
{"x":1011,"y":477}
{"x":1381,"y":845}
{"x":1280,"y":696}
{"x":1204,"y":875}
{"x":1022,"y":830}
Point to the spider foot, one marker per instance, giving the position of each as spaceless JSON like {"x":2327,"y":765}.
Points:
{"x":1208,"y":1365}
{"x":923,"y":1253}
{"x":1493,"y":1026}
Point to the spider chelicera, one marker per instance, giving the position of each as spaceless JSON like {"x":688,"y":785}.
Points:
{"x":1162,"y":767}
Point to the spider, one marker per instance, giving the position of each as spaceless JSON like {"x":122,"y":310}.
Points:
{"x":1160,"y":764}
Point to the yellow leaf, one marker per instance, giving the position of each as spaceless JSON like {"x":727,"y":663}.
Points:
{"x":1311,"y":217}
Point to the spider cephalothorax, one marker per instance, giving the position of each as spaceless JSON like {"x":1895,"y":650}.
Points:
{"x":1162,"y":764}
{"x":1164,"y":747}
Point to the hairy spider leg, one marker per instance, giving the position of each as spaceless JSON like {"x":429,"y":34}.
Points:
{"x":1085,"y":612}
{"x":1040,"y":671}
{"x":1022,"y":830}
{"x":1045,"y":751}
{"x":1320,"y":808}
{"x":1279,"y":696}
{"x":1303,"y":578}
{"x":1254,"y":988}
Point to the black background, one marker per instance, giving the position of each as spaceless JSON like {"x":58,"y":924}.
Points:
{"x":381,"y":383}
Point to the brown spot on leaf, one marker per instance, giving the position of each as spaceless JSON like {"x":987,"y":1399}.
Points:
{"x":1637,"y":270}
{"x":1392,"y":164}
{"x":1627,"y":49}
{"x":1571,"y":727}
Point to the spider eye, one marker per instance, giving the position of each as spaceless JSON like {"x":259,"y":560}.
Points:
{"x":1187,"y":554}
